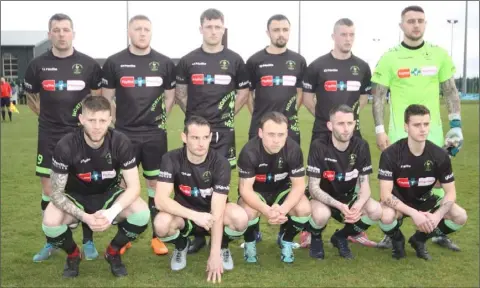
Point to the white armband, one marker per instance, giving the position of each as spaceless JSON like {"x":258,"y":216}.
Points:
{"x":112,"y":212}
{"x":379,"y":129}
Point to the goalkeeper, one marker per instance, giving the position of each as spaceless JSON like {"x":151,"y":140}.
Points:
{"x":415,"y":71}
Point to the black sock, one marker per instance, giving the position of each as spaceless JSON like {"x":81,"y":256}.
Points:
{"x":395,"y":233}
{"x":3,"y":115}
{"x":225,"y":240}
{"x":10,"y":115}
{"x":44,"y":204}
{"x":249,"y":235}
{"x":441,"y":230}
{"x":126,"y":232}
{"x":64,"y":241}
{"x":292,"y":228}
{"x":257,"y":227}
{"x":282,"y":228}
{"x":87,"y":233}
{"x":181,"y":242}
{"x":314,"y":232}
{"x":153,"y":212}
{"x":346,"y":231}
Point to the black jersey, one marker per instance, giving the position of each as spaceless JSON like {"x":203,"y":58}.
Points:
{"x":272,"y":172}
{"x":336,"y":82}
{"x":212,"y":79}
{"x":414,"y":176}
{"x":62,"y":84}
{"x":139,"y":83}
{"x":275,"y":79}
{"x":194,"y":184}
{"x":91,"y":171}
{"x":338,"y":170}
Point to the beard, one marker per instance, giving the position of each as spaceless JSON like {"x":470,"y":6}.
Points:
{"x":280,"y":43}
{"x":92,"y":139}
{"x":342,"y":138}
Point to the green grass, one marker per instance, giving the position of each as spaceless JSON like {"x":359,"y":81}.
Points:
{"x":22,"y":235}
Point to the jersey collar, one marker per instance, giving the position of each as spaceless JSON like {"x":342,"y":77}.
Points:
{"x":412,"y":48}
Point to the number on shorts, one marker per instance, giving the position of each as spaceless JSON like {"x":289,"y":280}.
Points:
{"x":39,"y":159}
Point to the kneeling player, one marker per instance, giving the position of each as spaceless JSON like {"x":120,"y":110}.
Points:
{"x":408,"y":171}
{"x":272,"y":183}
{"x":200,"y":179}
{"x":86,"y":187}
{"x":334,"y":164}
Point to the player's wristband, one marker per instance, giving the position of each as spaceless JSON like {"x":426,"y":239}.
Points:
{"x":379,"y":129}
{"x":455,"y":120}
{"x":112,"y":212}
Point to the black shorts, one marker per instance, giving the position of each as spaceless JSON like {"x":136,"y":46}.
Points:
{"x":429,"y":203}
{"x":149,"y":150}
{"x":272,"y":198}
{"x":45,"y":147}
{"x":292,"y":134}
{"x":4,"y":102}
{"x":224,"y":143}
{"x":92,"y":203}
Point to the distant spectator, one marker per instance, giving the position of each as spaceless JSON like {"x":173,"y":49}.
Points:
{"x":6,"y":93}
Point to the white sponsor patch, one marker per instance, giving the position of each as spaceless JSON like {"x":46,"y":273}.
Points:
{"x":289,"y":80}
{"x":164,"y":174}
{"x":59,"y":165}
{"x":244,"y":83}
{"x":429,"y":71}
{"x":427,"y":181}
{"x":27,"y":85}
{"x":385,"y":173}
{"x":295,"y":171}
{"x":448,"y":177}
{"x":153,"y":81}
{"x":186,"y":174}
{"x":280,"y":177}
{"x":353,"y":85}
{"x":307,"y":85}
{"x":206,"y":192}
{"x":313,"y":169}
{"x":263,"y":165}
{"x":330,"y":70}
{"x":127,"y":66}
{"x":85,"y":160}
{"x":265,"y":65}
{"x":331,"y":160}
{"x":242,"y":171}
{"x":199,"y":64}
{"x":75,"y":85}
{"x":109,"y":174}
{"x":351,"y":175}
{"x":220,"y":188}
{"x":405,"y":166}
{"x":367,"y":168}
{"x":223,"y":79}
{"x":129,"y":162}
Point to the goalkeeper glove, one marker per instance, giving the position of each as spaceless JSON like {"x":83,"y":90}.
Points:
{"x":454,"y":137}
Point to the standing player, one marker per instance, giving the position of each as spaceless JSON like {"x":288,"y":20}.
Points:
{"x":338,"y":77}
{"x":57,"y":81}
{"x":142,"y":81}
{"x":212,"y":82}
{"x":272,"y":183}
{"x":334,"y":166}
{"x":88,"y":166}
{"x":200,"y":179}
{"x":414,"y":71}
{"x":408,"y":171}
{"x":6,"y":94}
{"x":276,"y":75}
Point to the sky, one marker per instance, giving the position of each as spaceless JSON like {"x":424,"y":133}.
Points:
{"x":101,"y":26}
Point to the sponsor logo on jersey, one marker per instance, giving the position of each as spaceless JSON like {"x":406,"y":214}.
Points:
{"x":295,"y":171}
{"x":405,"y":166}
{"x":186,"y":190}
{"x":263,"y":165}
{"x":205,"y":192}
{"x":83,"y":161}
{"x":244,"y":83}
{"x":49,"y":69}
{"x":426,"y":181}
{"x":186,"y":174}
{"x":219,"y":79}
{"x":109,"y":174}
{"x":329,"y":175}
{"x":280,"y":177}
{"x":403,"y":182}
{"x":334,"y":85}
{"x":129,"y":162}
{"x":449,"y":176}
{"x":153,"y":81}
{"x":96,"y":176}
{"x":265,"y":65}
{"x":222,"y":79}
{"x":385,"y":173}
{"x":285,"y":80}
{"x":59,"y":165}
{"x":330,"y":70}
{"x":353,"y":85}
{"x":403,"y":73}
{"x":369,"y":167}
{"x":131,"y":81}
{"x":164,"y":174}
{"x":85,"y":177}
{"x":313,"y":169}
{"x":127,"y":66}
{"x":52,"y":85}
{"x":220,"y":188}
{"x":307,"y":85}
{"x":75,"y":85}
{"x":330,"y":160}
{"x":199,"y":64}
{"x":264,"y":178}
{"x":429,"y":71}
{"x":351,"y":175}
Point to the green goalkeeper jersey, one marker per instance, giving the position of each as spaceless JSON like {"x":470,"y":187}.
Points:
{"x":414,"y":76}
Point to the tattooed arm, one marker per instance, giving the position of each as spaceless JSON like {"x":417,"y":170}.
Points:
{"x":365,"y":192}
{"x":448,"y":200}
{"x":33,"y":102}
{"x":60,"y":200}
{"x":181,"y":96}
{"x":318,"y":194}
{"x":379,"y":93}
{"x":452,"y":98}
{"x":389,"y":200}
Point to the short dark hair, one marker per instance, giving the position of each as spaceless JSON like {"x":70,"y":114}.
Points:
{"x":210,"y":14}
{"x":277,"y":17}
{"x":415,"y":110}
{"x":340,"y":108}
{"x":343,"y":22}
{"x":138,"y":17}
{"x":275,"y":116}
{"x":412,"y":8}
{"x":59,"y":17}
{"x":96,"y":103}
{"x":196,"y":120}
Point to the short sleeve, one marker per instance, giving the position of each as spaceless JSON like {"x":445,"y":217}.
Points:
{"x":108,"y":74}
{"x":246,"y":167}
{"x":447,"y":68}
{"x":310,"y":79}
{"x":365,"y":160}
{"x":252,"y":75}
{"x":366,"y":85}
{"x":221,"y":176}
{"x":385,"y":168}
{"x":241,"y":75}
{"x":167,"y":169}
{"x":303,"y":68}
{"x":62,"y":155}
{"x":444,"y":170}
{"x":382,"y":74}
{"x":295,"y":161}
{"x":315,"y":160}
{"x":170,"y":77}
{"x":96,"y":77}
{"x":181,"y":72}
{"x":31,"y":80}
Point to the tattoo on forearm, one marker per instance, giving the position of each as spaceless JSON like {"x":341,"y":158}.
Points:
{"x":317,"y":193}
{"x":361,"y":180}
{"x":391,"y":202}
{"x":58,"y":198}
{"x":181,"y":96}
{"x":379,"y":93}
{"x":450,"y":93}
